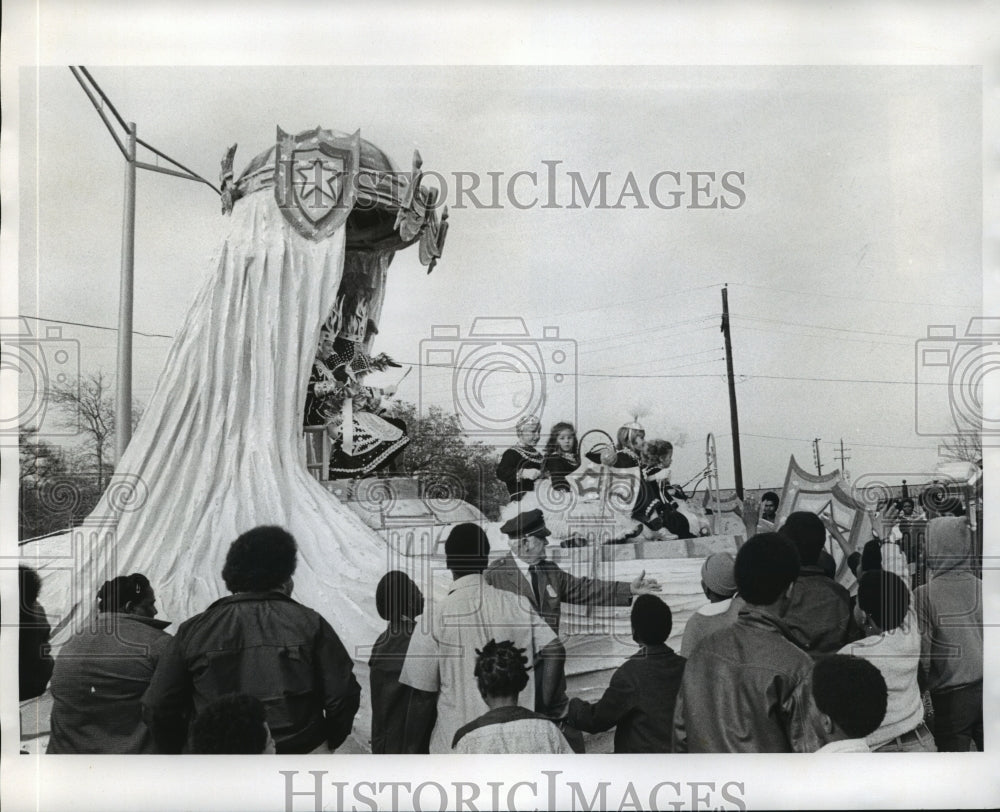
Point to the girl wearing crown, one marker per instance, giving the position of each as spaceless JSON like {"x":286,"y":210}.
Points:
{"x":627,"y":453}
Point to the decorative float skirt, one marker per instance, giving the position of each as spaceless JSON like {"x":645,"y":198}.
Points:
{"x":376,"y":441}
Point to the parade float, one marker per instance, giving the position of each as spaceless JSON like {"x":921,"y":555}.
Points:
{"x":264,"y":415}
{"x":310,"y":223}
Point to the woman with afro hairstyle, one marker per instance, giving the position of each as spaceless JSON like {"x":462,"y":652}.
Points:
{"x":501,"y":674}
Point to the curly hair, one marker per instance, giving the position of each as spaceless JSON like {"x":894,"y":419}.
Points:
{"x":396,"y":595}
{"x":259,"y":560}
{"x":231,"y":725}
{"x":501,"y":669}
{"x":765,"y":566}
{"x":552,"y":445}
{"x":116,"y":594}
{"x":852,"y":692}
{"x":656,"y":450}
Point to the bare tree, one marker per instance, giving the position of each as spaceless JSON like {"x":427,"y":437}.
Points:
{"x":963,"y":446}
{"x":88,"y":403}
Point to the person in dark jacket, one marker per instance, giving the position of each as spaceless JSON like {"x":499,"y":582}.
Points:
{"x":232,"y":725}
{"x":261,"y":642}
{"x":950,"y":612}
{"x":103,"y":671}
{"x":34,"y":660}
{"x":562,"y":455}
{"x":400,"y":602}
{"x":521,"y":465}
{"x":746,"y":687}
{"x":639,"y":701}
{"x":819,"y":613}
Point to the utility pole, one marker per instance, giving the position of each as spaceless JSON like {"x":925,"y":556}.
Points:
{"x":733,"y":416}
{"x":819,"y":464}
{"x":123,"y":388}
{"x":843,"y":461}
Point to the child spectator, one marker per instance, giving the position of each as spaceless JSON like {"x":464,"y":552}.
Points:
{"x":639,"y":702}
{"x":718,"y":582}
{"x":34,"y":659}
{"x":745,"y":688}
{"x":501,"y":674}
{"x":894,"y":648}
{"x":819,"y":616}
{"x":561,"y":455}
{"x":232,"y":725}
{"x":851,"y":696}
{"x":950,"y":611}
{"x":400,"y":602}
{"x":103,"y":671}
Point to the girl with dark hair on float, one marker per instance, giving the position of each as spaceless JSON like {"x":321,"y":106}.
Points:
{"x":562,"y":455}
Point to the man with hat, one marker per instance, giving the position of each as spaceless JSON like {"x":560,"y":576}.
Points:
{"x":718,"y":582}
{"x":527,"y":573}
{"x":442,"y":659}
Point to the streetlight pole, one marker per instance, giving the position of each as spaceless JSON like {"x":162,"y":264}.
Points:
{"x":123,"y":392}
{"x":128,"y":147}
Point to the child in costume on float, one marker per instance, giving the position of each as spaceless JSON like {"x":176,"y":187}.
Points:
{"x":562,"y":456}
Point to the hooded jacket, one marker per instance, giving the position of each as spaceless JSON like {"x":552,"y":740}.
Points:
{"x":950,"y":607}
{"x":746,"y":690}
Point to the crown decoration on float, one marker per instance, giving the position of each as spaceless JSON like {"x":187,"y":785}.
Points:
{"x":637,"y":411}
{"x":322,"y":178}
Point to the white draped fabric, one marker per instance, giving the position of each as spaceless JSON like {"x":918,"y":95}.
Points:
{"x":218,"y":449}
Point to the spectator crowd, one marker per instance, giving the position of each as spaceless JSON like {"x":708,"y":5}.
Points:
{"x":781,"y":658}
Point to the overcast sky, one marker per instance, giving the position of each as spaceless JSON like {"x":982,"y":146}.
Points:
{"x":857,"y":224}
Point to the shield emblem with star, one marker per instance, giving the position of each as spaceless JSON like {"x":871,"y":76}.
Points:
{"x":315,"y":179}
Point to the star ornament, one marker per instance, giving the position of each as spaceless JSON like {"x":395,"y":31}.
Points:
{"x":318,"y":182}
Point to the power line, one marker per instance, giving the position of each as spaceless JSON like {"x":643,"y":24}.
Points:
{"x":824,"y":327}
{"x":91,"y":326}
{"x":827,"y":338}
{"x":807,"y":440}
{"x":843,"y":380}
{"x":670,"y":294}
{"x":743,"y":377}
{"x":855,"y":298}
